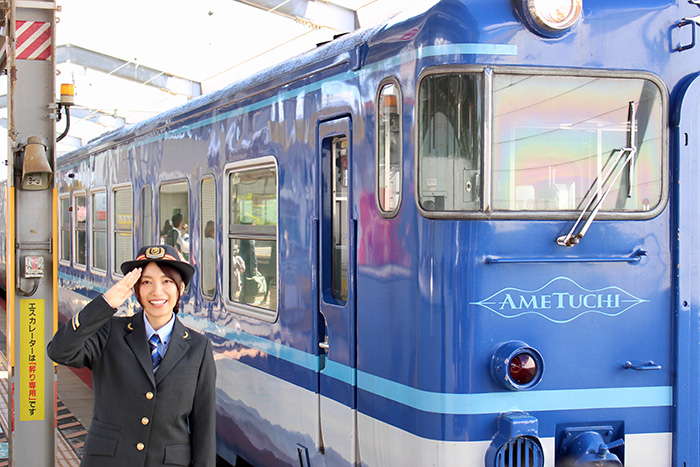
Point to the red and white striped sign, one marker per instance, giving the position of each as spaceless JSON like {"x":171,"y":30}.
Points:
{"x":33,"y":40}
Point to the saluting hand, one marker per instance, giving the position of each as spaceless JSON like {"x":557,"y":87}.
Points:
{"x":123,"y":289}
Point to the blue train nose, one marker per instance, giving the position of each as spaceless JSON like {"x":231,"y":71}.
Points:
{"x":587,"y":448}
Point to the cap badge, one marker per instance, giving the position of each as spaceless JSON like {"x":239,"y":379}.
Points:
{"x":155,"y":252}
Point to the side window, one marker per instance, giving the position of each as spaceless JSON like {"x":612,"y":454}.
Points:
{"x":174,"y":215}
{"x":80,"y":223}
{"x":207,"y":222}
{"x":252,"y":236}
{"x":389,"y":149}
{"x":64,"y":229}
{"x":123,"y":226}
{"x":98,"y":219}
{"x":146,"y":216}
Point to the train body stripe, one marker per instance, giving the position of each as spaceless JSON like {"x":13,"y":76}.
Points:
{"x":542,"y":400}
{"x":275,"y":349}
{"x":446,"y":403}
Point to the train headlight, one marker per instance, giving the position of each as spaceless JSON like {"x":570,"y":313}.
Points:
{"x":550,"y":18}
{"x":517,"y":366}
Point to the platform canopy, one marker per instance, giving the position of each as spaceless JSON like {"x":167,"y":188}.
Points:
{"x":132,"y":59}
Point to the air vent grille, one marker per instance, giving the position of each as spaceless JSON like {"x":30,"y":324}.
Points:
{"x":520,"y":452}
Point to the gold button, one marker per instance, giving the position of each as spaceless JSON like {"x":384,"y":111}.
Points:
{"x":144,"y":421}
{"x":149,"y":395}
{"x":140,"y":446}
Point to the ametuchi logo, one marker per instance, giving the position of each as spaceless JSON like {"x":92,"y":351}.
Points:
{"x":560,"y":300}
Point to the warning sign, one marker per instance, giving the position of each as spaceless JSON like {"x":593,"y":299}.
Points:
{"x":31,"y":360}
{"x":33,"y":40}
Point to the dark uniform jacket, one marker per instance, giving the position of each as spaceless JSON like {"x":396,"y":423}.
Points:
{"x":138,"y":419}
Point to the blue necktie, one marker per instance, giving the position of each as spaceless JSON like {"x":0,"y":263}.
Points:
{"x":155,"y":356}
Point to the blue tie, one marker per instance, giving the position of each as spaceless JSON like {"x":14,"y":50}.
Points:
{"x":155,"y":356}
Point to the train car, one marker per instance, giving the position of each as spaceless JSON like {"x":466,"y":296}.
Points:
{"x":463,"y":237}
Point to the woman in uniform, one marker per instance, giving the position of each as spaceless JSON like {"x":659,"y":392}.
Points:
{"x":153,"y":379}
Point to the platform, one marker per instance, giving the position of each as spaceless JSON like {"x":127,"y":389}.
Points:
{"x":74,"y":408}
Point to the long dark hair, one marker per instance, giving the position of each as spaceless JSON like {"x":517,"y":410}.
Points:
{"x":173,"y":274}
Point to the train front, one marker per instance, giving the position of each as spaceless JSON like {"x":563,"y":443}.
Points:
{"x":539,"y":246}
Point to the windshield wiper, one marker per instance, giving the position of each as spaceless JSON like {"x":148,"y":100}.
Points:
{"x":590,"y":210}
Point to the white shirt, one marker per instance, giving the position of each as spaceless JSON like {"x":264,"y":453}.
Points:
{"x":183,"y":241}
{"x":164,"y":333}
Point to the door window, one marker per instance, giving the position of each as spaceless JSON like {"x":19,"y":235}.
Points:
{"x":339,"y":217}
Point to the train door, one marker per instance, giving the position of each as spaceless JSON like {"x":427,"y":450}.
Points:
{"x":336,"y":297}
{"x":687,"y":385}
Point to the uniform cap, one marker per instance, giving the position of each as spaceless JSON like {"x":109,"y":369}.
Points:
{"x":162,"y":254}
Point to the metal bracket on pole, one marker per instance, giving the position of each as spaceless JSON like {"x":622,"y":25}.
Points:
{"x":37,"y":5}
{"x":47,"y":245}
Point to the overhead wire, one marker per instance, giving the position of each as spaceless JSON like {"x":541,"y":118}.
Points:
{"x":250,"y":59}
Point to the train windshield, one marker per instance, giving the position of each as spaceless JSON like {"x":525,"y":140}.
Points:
{"x":548,"y":142}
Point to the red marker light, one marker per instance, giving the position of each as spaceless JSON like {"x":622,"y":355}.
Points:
{"x":522,"y":368}
{"x":517,"y":366}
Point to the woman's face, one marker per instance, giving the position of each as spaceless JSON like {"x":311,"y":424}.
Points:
{"x":158,"y":293}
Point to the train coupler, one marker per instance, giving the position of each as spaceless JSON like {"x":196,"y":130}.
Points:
{"x":589,"y":446}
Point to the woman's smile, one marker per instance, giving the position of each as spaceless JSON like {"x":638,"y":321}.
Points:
{"x":159,"y":295}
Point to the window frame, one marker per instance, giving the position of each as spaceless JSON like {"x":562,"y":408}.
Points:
{"x":383,"y":84}
{"x":64,"y":231}
{"x":91,"y":227}
{"x":75,"y":230}
{"x":486,"y":211}
{"x":146,"y":239}
{"x":263,"y":314}
{"x":202,"y":226}
{"x":116,"y":271}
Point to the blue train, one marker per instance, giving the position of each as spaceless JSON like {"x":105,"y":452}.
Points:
{"x":464,"y":237}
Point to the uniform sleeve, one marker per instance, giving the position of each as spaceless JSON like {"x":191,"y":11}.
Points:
{"x":79,"y":342}
{"x":203,"y":416}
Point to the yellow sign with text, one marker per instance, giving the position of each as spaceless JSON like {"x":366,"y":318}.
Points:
{"x":32,"y":397}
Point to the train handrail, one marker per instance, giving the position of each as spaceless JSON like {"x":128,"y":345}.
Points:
{"x":686,"y":22}
{"x":635,"y":257}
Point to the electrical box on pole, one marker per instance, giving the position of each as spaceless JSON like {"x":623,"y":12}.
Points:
{"x":31,"y":236}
